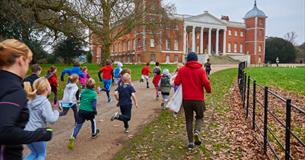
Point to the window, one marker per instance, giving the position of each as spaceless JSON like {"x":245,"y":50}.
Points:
{"x":152,"y":43}
{"x":240,"y":48}
{"x":260,"y":22}
{"x":134,"y":44}
{"x":176,"y":46}
{"x":167,"y":44}
{"x":235,"y":33}
{"x":241,"y":34}
{"x":229,"y":47}
{"x":259,"y":48}
{"x":229,"y":33}
{"x":153,"y":58}
{"x":235,"y":47}
{"x":167,"y":59}
{"x":128,"y":45}
{"x":139,"y":42}
{"x":176,"y":58}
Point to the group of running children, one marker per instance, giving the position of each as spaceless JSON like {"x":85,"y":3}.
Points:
{"x":84,"y":102}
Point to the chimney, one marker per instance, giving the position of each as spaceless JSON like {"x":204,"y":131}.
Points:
{"x":225,"y":18}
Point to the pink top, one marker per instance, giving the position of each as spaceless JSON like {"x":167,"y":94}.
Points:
{"x":83,"y":81}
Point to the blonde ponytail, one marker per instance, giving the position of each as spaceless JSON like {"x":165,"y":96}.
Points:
{"x":30,"y":94}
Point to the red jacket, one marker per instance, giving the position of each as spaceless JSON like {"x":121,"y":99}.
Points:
{"x":53,"y":80}
{"x":193,"y":79}
{"x":107,"y":72}
{"x":146,"y":70}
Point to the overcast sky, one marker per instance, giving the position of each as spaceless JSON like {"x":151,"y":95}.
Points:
{"x":283,"y":15}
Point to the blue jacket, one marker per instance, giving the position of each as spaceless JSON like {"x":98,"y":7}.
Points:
{"x":70,"y":71}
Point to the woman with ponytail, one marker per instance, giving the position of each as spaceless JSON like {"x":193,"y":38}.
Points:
{"x":15,"y":58}
{"x":41,"y":113}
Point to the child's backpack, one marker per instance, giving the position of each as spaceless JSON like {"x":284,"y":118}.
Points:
{"x":165,"y":85}
{"x":116,"y":72}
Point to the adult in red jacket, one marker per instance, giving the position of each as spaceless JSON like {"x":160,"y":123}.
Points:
{"x":193,"y":79}
{"x":145,"y":74}
{"x":107,"y":72}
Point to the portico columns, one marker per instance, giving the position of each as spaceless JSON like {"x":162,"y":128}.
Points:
{"x":224,"y":42}
{"x":210,"y":40}
{"x":201,"y":40}
{"x":184,"y":40}
{"x":217,"y":42}
{"x":193,"y":40}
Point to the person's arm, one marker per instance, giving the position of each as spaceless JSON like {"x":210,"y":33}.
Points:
{"x":10,"y":134}
{"x":99,"y":75}
{"x":206,"y":82}
{"x":134,"y":98}
{"x":48,"y":113}
{"x":93,"y":102}
{"x":177,"y":80}
{"x":81,"y":74}
{"x":116,"y":95}
{"x":63,"y":74}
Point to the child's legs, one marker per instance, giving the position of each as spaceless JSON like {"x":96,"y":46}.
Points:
{"x":126,"y":115}
{"x":93,"y":126}
{"x":33,"y":153}
{"x":64,"y":111}
{"x":74,"y":108}
{"x":157,"y":91}
{"x":38,"y":151}
{"x":107,"y":86}
{"x":165,"y":97}
{"x":79,"y":125}
{"x":54,"y":90}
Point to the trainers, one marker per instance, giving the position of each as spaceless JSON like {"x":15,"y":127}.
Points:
{"x":196,"y":138}
{"x":115,"y":116}
{"x":95,"y":134}
{"x":126,"y":130}
{"x":109,"y":100}
{"x":190,"y":146}
{"x":71,"y":143}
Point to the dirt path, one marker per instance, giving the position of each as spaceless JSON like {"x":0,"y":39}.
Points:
{"x":112,"y":133}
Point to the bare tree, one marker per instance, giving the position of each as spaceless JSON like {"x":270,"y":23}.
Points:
{"x":107,"y":20}
{"x":291,"y":36}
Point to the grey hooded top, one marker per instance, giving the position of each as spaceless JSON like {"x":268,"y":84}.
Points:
{"x":41,"y":113}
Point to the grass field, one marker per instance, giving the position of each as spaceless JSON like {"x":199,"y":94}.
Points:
{"x":93,"y":70}
{"x":291,"y":79}
{"x":165,"y":137}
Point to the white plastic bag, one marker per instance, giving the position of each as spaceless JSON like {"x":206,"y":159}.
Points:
{"x":175,"y":102}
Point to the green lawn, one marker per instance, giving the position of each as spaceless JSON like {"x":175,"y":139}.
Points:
{"x":93,"y":70}
{"x":165,"y":137}
{"x":291,"y":79}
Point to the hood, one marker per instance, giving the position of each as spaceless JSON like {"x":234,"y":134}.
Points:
{"x":120,"y":64}
{"x":193,"y":64}
{"x":36,"y":102}
{"x":165,"y":71}
{"x":88,"y":91}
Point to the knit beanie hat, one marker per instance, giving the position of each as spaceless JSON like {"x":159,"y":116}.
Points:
{"x":192,"y":56}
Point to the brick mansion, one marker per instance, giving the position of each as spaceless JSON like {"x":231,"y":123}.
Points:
{"x":205,"y":34}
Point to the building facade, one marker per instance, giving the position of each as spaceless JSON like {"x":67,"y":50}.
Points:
{"x":204,"y":34}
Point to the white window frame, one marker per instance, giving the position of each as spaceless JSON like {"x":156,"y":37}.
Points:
{"x":128,"y":45}
{"x":229,"y":32}
{"x":176,"y":45}
{"x":152,"y":43}
{"x":241,"y":34}
{"x":134,"y":44}
{"x":176,"y":58}
{"x":259,"y":48}
{"x":235,"y":47}
{"x":235,"y":33}
{"x":167,"y":45}
{"x":229,"y":47}
{"x":241,"y":49}
{"x":139,"y":42}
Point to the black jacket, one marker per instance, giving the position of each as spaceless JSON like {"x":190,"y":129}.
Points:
{"x":14,"y":115}
{"x":31,"y":78}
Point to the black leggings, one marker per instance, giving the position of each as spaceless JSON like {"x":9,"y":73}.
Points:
{"x":66,"y":109}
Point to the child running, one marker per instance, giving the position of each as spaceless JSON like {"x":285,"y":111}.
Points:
{"x":41,"y":113}
{"x":70,"y":97}
{"x":165,"y":87}
{"x":52,"y":78}
{"x":156,"y":80}
{"x":83,"y":80}
{"x":106,"y":72}
{"x":145,"y":74}
{"x":87,"y":111}
{"x":117,"y":72}
{"x":124,"y":93}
